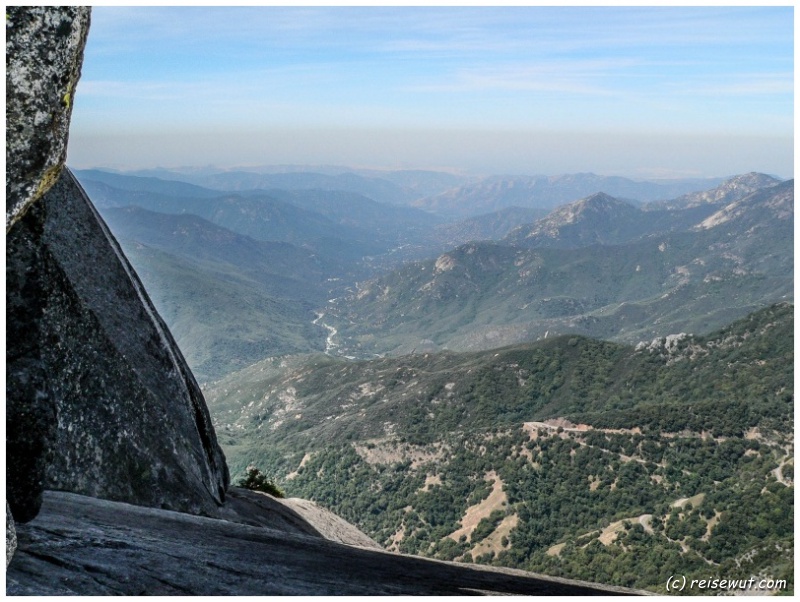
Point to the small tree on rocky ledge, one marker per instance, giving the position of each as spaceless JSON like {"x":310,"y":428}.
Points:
{"x":257,"y":481}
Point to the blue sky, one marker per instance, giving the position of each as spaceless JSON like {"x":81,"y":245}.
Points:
{"x":632,"y":91}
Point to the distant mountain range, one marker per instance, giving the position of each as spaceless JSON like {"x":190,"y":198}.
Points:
{"x":237,"y":275}
{"x":259,"y":216}
{"x":602,"y":219}
{"x":446,"y":194}
{"x":489,"y":226}
{"x":599,"y":267}
{"x":657,"y":268}
{"x":498,"y":192}
{"x":228,"y":299}
{"x":397,"y":187}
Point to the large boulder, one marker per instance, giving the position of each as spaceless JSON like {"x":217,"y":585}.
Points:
{"x":100,"y":400}
{"x":44,"y":53}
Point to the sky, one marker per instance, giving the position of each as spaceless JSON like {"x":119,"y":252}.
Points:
{"x":635,"y":91}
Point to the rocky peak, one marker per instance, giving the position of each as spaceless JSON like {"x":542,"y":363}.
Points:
{"x":591,"y":207}
{"x":750,"y":181}
{"x":768,"y":203}
{"x":444,"y":263}
{"x":730,"y":190}
{"x":600,"y":202}
{"x":585,"y":221}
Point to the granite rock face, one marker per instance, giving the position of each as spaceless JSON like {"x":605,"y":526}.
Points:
{"x":44,"y":54}
{"x":86,"y":546}
{"x":99,"y":399}
{"x":31,"y":420}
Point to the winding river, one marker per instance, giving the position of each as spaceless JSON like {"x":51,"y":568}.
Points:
{"x":330,"y":346}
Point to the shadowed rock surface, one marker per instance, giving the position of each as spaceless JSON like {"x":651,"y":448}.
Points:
{"x":44,"y":54}
{"x":80,"y":545}
{"x":98,"y":394}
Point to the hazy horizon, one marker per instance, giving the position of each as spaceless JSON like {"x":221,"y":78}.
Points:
{"x":157,"y":152}
{"x":645,"y":92}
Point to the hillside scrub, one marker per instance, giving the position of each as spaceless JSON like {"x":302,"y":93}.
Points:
{"x":598,"y":447}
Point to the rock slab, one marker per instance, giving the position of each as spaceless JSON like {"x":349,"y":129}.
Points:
{"x":87,"y":546}
{"x":44,"y":54}
{"x":291,"y":514}
{"x":100,"y":400}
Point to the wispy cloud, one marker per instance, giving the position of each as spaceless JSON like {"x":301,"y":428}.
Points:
{"x":685,"y":69}
{"x":587,"y":77}
{"x":748,"y":84}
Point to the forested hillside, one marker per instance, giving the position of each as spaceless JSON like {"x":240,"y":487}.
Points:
{"x":574,"y":457}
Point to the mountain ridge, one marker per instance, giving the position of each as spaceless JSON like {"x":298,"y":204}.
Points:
{"x":642,"y":286}
{"x":731,"y":189}
{"x":595,"y":219}
{"x":496,"y":192}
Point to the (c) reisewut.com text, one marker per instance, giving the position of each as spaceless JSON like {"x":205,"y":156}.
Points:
{"x":679,"y":583}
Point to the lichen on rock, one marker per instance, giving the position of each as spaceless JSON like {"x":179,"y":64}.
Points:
{"x":44,"y":55}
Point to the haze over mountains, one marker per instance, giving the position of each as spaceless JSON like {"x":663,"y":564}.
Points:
{"x":275,"y":257}
{"x":229,"y":298}
{"x":444,"y":339}
{"x":599,"y":267}
{"x":497,"y":192}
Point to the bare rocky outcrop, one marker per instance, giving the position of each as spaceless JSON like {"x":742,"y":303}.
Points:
{"x":292,"y":514}
{"x":95,"y":380}
{"x":44,"y":54}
